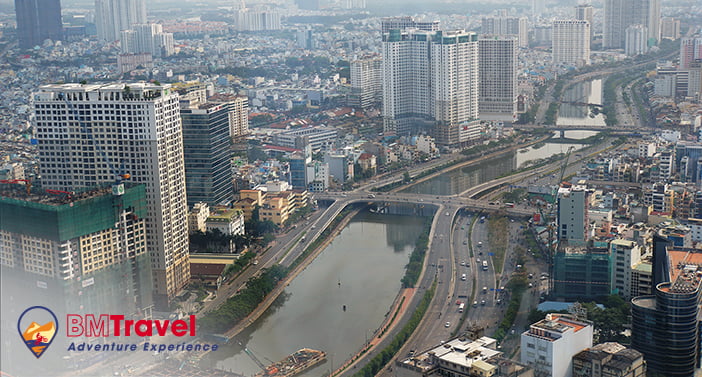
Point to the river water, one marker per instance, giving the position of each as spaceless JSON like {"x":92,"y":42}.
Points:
{"x":577,"y":112}
{"x":459,"y":180}
{"x":361,"y":269}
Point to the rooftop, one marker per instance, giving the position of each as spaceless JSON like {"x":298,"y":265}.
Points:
{"x":685,"y":270}
{"x":18,"y":191}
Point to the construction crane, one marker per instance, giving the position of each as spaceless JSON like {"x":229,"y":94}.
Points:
{"x":27,"y":183}
{"x":255,"y":359}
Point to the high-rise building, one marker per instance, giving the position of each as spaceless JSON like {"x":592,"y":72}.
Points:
{"x":665,"y":326}
{"x":366,"y":82}
{"x":406,"y":22}
{"x":305,"y":39}
{"x":430,"y":81}
{"x":670,"y":28}
{"x":571,"y":42}
{"x":238,"y":113}
{"x":584,"y":12}
{"x":38,"y":20}
{"x":504,"y":25}
{"x":147,"y":38}
{"x":636,"y":41}
{"x":550,"y":344}
{"x":130,"y":128}
{"x":113,"y":16}
{"x":251,"y":19}
{"x":690,"y":50}
{"x":620,"y":14}
{"x":82,"y":252}
{"x":572,"y":214}
{"x":206,"y":147}
{"x":497,"y":59}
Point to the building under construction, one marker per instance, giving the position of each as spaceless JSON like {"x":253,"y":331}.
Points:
{"x":71,"y":252}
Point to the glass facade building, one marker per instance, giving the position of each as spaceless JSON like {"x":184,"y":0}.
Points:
{"x":206,"y":149}
{"x":665,"y":326}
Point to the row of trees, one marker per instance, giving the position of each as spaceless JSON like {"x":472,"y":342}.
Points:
{"x":383,"y":357}
{"x":414,"y":267}
{"x":238,"y":307}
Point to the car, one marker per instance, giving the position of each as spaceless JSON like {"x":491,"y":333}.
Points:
{"x":480,"y":243}
{"x":447,"y":213}
{"x":463,"y":263}
{"x":482,"y":302}
{"x":475,"y":304}
{"x":458,"y":302}
{"x":465,"y":242}
{"x":531,"y":285}
{"x":448,"y":324}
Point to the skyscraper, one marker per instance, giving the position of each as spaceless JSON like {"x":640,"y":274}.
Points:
{"x":407,"y":22}
{"x":430,"y":82}
{"x":584,"y":12}
{"x":571,"y":42}
{"x":636,"y":40}
{"x":670,"y":28}
{"x":147,"y":38}
{"x":664,"y":325}
{"x":206,"y":147}
{"x":113,"y":16}
{"x":504,"y":25}
{"x":366,"y":82}
{"x":498,"y":78}
{"x":620,"y":14}
{"x":690,"y":50}
{"x":38,"y":20}
{"x":122,"y":128}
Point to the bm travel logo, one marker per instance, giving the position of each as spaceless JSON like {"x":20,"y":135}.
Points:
{"x":38,"y":327}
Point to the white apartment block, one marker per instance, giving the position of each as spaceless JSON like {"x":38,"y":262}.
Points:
{"x":626,"y":254}
{"x":147,"y":38}
{"x":550,"y":344}
{"x":585,"y":12}
{"x":113,"y":16}
{"x":505,"y":25}
{"x":430,"y":79}
{"x":454,"y":78}
{"x":137,"y":127}
{"x":367,"y":81}
{"x":571,"y":42}
{"x":498,"y":78}
{"x":406,"y":79}
{"x":636,"y":42}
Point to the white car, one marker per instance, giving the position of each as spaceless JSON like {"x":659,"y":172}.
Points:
{"x":448,"y":324}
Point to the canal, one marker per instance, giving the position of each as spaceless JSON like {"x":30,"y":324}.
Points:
{"x":361,"y":269}
{"x":577,"y":108}
{"x":461,"y":179}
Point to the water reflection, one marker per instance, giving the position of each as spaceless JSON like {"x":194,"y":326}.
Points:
{"x":577,"y":111}
{"x":361,"y":269}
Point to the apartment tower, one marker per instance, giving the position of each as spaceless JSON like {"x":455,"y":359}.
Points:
{"x":113,"y":16}
{"x":90,"y":133}
{"x":38,"y":20}
{"x":571,"y":42}
{"x":498,"y":77}
{"x":430,"y":82}
{"x":620,"y":14}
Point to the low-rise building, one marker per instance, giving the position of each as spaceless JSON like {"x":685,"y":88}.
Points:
{"x":550,"y":344}
{"x":609,"y":360}
{"x":462,"y":357}
{"x":197,"y":218}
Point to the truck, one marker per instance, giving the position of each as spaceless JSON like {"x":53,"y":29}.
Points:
{"x":460,"y":307}
{"x":485,"y":265}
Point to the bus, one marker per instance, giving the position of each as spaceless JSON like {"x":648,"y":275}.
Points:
{"x":485,"y":265}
